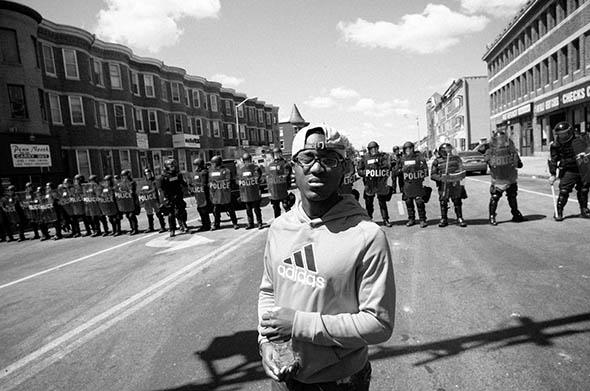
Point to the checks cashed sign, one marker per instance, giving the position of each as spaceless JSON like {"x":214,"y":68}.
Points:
{"x":30,"y":155}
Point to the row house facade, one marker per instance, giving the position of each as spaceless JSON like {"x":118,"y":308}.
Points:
{"x":460,"y":116}
{"x":97,"y":108}
{"x":539,"y":73}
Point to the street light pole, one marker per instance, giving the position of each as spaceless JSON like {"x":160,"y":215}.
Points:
{"x":237,"y":123}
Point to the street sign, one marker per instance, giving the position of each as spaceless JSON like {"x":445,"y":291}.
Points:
{"x":30,"y":155}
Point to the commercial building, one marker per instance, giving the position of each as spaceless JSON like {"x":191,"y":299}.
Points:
{"x":288,"y":129}
{"x":539,"y":72}
{"x":460,"y":116}
{"x":72,"y":103}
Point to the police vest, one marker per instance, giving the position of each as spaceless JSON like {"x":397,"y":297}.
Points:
{"x":220,"y":186}
{"x":248,"y":182}
{"x":375,"y":171}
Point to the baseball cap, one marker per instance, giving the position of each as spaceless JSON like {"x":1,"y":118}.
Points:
{"x":333,"y":142}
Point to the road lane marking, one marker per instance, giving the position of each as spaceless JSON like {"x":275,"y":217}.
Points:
{"x":519,"y":188}
{"x":400,"y":208}
{"x":85,"y":257}
{"x":85,"y":332}
{"x":171,"y":245}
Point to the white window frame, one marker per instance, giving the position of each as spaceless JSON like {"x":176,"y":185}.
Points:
{"x":189,"y":125}
{"x":216,"y":130}
{"x":118,"y":75}
{"x":199,"y":127}
{"x":228,"y":108}
{"x":268,"y":119}
{"x":197,"y":101}
{"x":207,"y":128}
{"x":55,"y":109}
{"x":242,"y":131}
{"x":102,"y":115}
{"x":128,"y":153}
{"x":230,"y":131}
{"x":187,"y":97}
{"x":135,"y":83}
{"x":173,"y":86}
{"x":100,"y":82}
{"x":148,"y":82}
{"x":213,"y":101}
{"x":45,"y":58}
{"x":115,"y":116}
{"x":164,"y":90}
{"x":177,"y":117}
{"x":78,"y":97}
{"x":77,"y":75}
{"x":241,"y":111}
{"x":155,"y":113}
{"x":87,"y":157}
{"x":138,"y":117}
{"x":260,"y":116}
{"x":167,"y":129}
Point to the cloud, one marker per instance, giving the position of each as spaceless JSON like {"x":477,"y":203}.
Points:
{"x":371,"y":108}
{"x":497,"y":8}
{"x":343,"y":93}
{"x":434,"y":30}
{"x":320,"y":102}
{"x":150,"y":24}
{"x":227,"y":81}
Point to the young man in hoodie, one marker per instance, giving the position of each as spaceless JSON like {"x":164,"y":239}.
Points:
{"x":328,"y":288}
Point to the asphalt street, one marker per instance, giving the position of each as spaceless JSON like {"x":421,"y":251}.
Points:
{"x":478,"y":308}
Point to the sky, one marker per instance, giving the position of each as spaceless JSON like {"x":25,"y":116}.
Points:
{"x":365,"y":68}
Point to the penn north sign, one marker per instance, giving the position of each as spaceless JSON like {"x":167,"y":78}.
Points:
{"x":186,"y":141}
{"x":30,"y":155}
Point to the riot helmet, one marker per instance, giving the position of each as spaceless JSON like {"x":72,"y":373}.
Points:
{"x":171,"y":166}
{"x":108,"y":180}
{"x":149,"y":173}
{"x":126,"y":173}
{"x":395,"y":149}
{"x":408,"y":145}
{"x":49,"y":186}
{"x":563,"y":132}
{"x":93,"y":178}
{"x":11,"y":189}
{"x":29,"y":186}
{"x":444,"y":149}
{"x":277,"y":153}
{"x":216,"y":161}
{"x":500,"y":139}
{"x":67,"y":181}
{"x":199,"y":163}
{"x":79,"y":178}
{"x":246,"y":157}
{"x":373,"y":147}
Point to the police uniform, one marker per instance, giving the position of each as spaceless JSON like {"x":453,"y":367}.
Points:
{"x":200,"y":188}
{"x":375,"y":169}
{"x":279,"y":181}
{"x":447,"y":171}
{"x":248,"y":180}
{"x":397,"y":176}
{"x":172,"y":185}
{"x":347,"y":186}
{"x":220,"y":192}
{"x":415,"y":170}
{"x":150,"y":200}
{"x":128,"y":202}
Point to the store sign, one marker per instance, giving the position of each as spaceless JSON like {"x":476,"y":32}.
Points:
{"x":571,"y":96}
{"x":142,"y":141}
{"x":30,"y":155}
{"x":186,"y":141}
{"x":522,"y":110}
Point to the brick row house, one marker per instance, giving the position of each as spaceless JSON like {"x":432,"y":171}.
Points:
{"x":100,"y":108}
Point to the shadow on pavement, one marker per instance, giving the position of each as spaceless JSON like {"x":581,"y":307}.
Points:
{"x":244,"y":343}
{"x":529,"y":218}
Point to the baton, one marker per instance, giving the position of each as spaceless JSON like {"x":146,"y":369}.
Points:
{"x":446,"y":173}
{"x":554,"y":200}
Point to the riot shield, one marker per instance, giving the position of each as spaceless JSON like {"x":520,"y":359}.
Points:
{"x":29,"y":207}
{"x":11,"y":210}
{"x":77,"y":196}
{"x":47,"y":211}
{"x":196,"y":183}
{"x":91,"y":206}
{"x":124,"y":196}
{"x":376,"y":170}
{"x":277,"y":180}
{"x":582,"y":152}
{"x":220,"y":186}
{"x":65,"y":201}
{"x":148,"y":199}
{"x":106,"y":202}
{"x":248,"y":183}
{"x":415,"y":171}
{"x":503,"y":160}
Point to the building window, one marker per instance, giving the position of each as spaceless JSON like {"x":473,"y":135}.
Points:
{"x":189,"y":125}
{"x":241,"y":111}
{"x":166,"y":123}
{"x":36,"y":49}
{"x":576,"y":60}
{"x":8,"y":47}
{"x":42,"y":105}
{"x":148,"y":81}
{"x":55,"y":108}
{"x":18,"y":104}
{"x":138,"y":119}
{"x":125,"y":159}
{"x":48,"y":60}
{"x":230,"y":131}
{"x":134,"y":82}
{"x":153,"y":120}
{"x":175,"y":92}
{"x":97,"y":73}
{"x":207,"y":128}
{"x":199,"y":126}
{"x":227,"y":104}
{"x":71,"y":64}
{"x":177,"y":123}
{"x":243,"y":132}
{"x":214,"y":103}
{"x":115,"y":73}
{"x":564,"y":62}
{"x":164,"y":88}
{"x":268,"y":119}
{"x":119,"y":116}
{"x":537,"y":77}
{"x":554,"y":67}
{"x":196,"y":99}
{"x":260,"y":117}
{"x":102,"y":119}
{"x":83,"y":162}
{"x":76,"y":110}
{"x":215,"y":128}
{"x":187,"y":97}
{"x":545,"y":71}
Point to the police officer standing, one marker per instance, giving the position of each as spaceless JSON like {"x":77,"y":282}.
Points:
{"x":249,"y":175}
{"x":172,"y":185}
{"x":569,"y":153}
{"x":374,"y":168}
{"x":149,"y":197}
{"x":108,"y":204}
{"x":13,"y":213}
{"x":397,"y":177}
{"x":415,"y":170}
{"x":447,"y":171}
{"x":200,"y":188}
{"x":220,"y":187}
{"x":30,"y":209}
{"x":279,"y":181}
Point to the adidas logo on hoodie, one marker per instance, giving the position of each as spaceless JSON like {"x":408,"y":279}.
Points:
{"x":296,"y":269}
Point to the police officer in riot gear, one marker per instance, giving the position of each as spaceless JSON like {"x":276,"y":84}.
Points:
{"x":220,"y":188}
{"x":150,"y":198}
{"x":108,"y":204}
{"x":447,"y":171}
{"x":504,"y":162}
{"x":248,"y":179}
{"x":570,"y":154}
{"x":397,"y":177}
{"x":30,"y":209}
{"x":279,"y":182}
{"x":79,"y":208}
{"x":172,"y":185}
{"x":374,"y":168}
{"x":199,"y":185}
{"x":415,"y":170}
{"x":92,"y":191}
{"x":13,"y":213}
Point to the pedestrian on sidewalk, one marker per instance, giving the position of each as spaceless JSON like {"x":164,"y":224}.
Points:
{"x":328,"y":288}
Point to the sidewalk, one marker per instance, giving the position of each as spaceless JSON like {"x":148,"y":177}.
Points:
{"x":534,"y":166}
